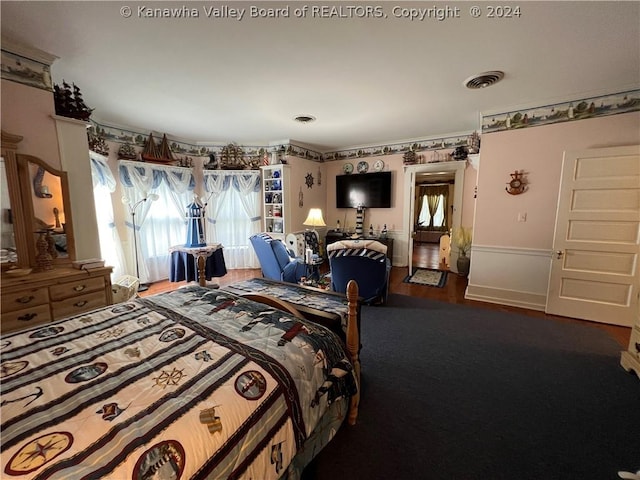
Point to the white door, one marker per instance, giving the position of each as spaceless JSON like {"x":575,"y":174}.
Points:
{"x":594,"y":270}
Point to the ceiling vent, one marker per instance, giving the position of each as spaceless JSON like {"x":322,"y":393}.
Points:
{"x":305,"y":118}
{"x":484,"y":80}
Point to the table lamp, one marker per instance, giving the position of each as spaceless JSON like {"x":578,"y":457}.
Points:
{"x":314,"y":219}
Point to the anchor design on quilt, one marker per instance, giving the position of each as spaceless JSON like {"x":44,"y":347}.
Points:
{"x":38,"y":393}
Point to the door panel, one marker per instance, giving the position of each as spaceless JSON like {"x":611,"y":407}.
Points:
{"x":594,"y":271}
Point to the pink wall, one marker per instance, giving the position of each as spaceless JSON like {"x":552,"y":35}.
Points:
{"x":27,"y":111}
{"x":394,"y":216}
{"x":376,"y":216}
{"x":539,"y":152}
{"x":312,"y":197}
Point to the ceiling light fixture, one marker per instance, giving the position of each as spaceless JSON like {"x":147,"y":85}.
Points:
{"x":305,"y":118}
{"x":484,"y":80}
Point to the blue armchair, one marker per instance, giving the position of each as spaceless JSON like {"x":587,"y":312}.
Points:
{"x":364,"y":261}
{"x":275,"y":260}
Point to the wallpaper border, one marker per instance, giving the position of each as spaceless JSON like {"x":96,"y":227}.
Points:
{"x":577,"y":109}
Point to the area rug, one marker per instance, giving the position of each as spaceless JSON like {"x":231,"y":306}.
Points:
{"x":426,"y":276}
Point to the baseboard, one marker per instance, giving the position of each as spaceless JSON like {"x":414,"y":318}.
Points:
{"x":503,"y":296}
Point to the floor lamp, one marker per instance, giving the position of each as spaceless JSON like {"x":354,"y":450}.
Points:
{"x":132,"y":210}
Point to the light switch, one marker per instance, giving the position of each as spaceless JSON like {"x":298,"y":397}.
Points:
{"x":522,"y":216}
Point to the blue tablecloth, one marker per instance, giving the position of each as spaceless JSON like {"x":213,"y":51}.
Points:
{"x":183,"y":266}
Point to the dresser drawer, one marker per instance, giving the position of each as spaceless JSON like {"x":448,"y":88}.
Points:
{"x":73,"y":289}
{"x":634,"y":343}
{"x":78,"y":304}
{"x":25,"y":318}
{"x":23,"y":299}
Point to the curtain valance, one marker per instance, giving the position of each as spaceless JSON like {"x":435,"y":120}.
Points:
{"x":217,"y":181}
{"x":100,"y":172}
{"x":146,"y":176}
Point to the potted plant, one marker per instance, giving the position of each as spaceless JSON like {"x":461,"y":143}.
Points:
{"x":462,"y":239}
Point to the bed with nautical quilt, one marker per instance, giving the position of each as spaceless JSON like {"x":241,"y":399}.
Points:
{"x":190,"y":384}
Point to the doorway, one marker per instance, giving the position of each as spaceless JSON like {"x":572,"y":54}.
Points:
{"x":417,"y":173}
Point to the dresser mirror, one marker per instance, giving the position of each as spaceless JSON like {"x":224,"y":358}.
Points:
{"x":37,"y":206}
{"x":8,"y":252}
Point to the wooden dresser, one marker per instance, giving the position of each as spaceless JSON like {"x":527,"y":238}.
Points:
{"x":41,"y":297}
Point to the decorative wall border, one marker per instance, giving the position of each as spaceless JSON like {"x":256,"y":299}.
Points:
{"x":390,"y":149}
{"x":138,"y":139}
{"x":20,"y":69}
{"x":591,"y":107}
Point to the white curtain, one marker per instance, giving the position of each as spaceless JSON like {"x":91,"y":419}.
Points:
{"x":233,"y":214}
{"x":104,"y":184}
{"x":160,"y":224}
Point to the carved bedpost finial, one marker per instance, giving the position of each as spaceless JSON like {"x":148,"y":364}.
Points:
{"x":353,"y":345}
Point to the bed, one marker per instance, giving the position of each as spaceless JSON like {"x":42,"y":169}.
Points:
{"x":190,"y":384}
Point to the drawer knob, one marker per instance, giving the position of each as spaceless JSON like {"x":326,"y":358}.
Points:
{"x":80,"y":304}
{"x":637,"y":347}
{"x":79,"y":288}
{"x":25,"y":299}
{"x":27,"y":316}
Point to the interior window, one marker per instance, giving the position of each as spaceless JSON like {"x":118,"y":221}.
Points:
{"x":424,"y":219}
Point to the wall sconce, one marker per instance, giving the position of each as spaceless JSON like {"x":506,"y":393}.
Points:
{"x":517,"y":185}
{"x":41,"y":191}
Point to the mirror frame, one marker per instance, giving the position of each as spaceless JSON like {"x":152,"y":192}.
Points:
{"x":20,"y":194}
{"x":9,"y":146}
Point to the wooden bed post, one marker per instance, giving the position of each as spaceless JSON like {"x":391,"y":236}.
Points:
{"x":353,"y":345}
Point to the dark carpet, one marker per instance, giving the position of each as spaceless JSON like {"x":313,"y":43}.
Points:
{"x":454,"y":392}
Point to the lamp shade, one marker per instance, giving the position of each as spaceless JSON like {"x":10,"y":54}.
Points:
{"x":314,"y":219}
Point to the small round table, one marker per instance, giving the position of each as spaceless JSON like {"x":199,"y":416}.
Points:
{"x":208,"y":260}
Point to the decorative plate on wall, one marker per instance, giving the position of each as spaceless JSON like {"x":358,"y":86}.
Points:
{"x":363,"y":167}
{"x":378,"y":166}
{"x":347,"y":168}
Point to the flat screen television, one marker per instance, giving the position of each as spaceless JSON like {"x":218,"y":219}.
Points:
{"x":371,"y":190}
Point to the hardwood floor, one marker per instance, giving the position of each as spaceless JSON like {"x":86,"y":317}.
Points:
{"x":425,"y":256}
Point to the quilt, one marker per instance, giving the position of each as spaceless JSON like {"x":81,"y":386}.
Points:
{"x":194,"y":383}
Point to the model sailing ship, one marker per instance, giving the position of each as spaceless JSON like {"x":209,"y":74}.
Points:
{"x":69,"y":103}
{"x":157,"y":153}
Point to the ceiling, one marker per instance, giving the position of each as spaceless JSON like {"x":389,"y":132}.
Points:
{"x":366,"y":80}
